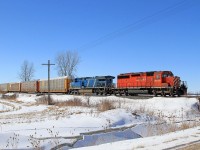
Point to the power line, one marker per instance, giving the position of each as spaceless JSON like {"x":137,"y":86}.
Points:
{"x":161,"y":14}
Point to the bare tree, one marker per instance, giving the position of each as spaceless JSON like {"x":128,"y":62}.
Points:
{"x":67,"y":62}
{"x":27,"y":71}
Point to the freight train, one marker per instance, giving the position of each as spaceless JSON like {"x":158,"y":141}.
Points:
{"x":154,"y":82}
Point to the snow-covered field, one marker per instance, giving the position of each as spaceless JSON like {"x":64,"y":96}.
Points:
{"x":153,"y":123}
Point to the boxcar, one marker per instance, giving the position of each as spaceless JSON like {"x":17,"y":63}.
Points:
{"x":4,"y":88}
{"x":14,"y":87}
{"x":29,"y":87}
{"x":57,"y":85}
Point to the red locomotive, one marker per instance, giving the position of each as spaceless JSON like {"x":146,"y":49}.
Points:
{"x":154,"y":82}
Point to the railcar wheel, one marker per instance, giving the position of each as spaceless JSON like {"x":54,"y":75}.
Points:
{"x":172,"y":94}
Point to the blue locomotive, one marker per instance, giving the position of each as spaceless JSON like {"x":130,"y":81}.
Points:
{"x":92,"y":85}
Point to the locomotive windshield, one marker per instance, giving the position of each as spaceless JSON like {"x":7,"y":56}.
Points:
{"x":167,"y":74}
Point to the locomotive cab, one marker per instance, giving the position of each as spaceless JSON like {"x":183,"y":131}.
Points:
{"x":168,"y":79}
{"x":174,"y":84}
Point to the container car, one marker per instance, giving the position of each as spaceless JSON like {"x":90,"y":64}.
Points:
{"x":154,"y":82}
{"x":57,"y":85}
{"x":92,"y":85}
{"x":14,"y":87}
{"x":4,"y":88}
{"x":30,"y":87}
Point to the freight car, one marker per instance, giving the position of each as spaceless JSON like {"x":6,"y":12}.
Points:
{"x":57,"y":85}
{"x":154,"y":82}
{"x":30,"y":86}
{"x":92,"y":85}
{"x":14,"y":87}
{"x":4,"y":87}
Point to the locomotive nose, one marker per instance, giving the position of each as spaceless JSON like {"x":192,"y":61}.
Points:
{"x":176,"y":81}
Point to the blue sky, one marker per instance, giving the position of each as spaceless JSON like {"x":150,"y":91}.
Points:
{"x":111,"y":36}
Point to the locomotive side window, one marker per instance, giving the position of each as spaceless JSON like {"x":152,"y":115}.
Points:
{"x":135,"y":75}
{"x":123,"y":77}
{"x":166,"y":74}
{"x":157,"y":77}
{"x":171,"y":74}
{"x":150,"y":73}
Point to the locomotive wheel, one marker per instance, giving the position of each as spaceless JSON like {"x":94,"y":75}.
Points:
{"x":154,"y":93}
{"x":163,"y":94}
{"x":172,"y":94}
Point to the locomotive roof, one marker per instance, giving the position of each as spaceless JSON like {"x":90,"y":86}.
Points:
{"x":97,"y":77}
{"x":104,"y":77}
{"x":132,"y":73}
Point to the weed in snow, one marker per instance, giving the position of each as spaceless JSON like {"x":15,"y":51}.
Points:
{"x":13,"y":141}
{"x":36,"y":144}
{"x":55,"y":141}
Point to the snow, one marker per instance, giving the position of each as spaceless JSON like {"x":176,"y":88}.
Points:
{"x":4,"y":108}
{"x":156,"y":142}
{"x":25,"y":123}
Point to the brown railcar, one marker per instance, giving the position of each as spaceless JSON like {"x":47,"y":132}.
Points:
{"x":4,"y":88}
{"x":30,"y":87}
{"x":14,"y":87}
{"x":57,"y":85}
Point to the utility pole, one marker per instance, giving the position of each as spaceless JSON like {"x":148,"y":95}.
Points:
{"x":49,"y":64}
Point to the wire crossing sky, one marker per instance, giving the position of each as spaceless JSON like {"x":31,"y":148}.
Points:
{"x":161,"y":14}
{"x":112,"y":37}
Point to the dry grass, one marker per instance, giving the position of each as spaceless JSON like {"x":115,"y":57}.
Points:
{"x":185,"y":125}
{"x":140,"y":146}
{"x":74,"y":102}
{"x":44,"y":100}
{"x":192,"y":147}
{"x":12,"y":97}
{"x":170,"y":140}
{"x":105,"y":105}
{"x":188,"y":124}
